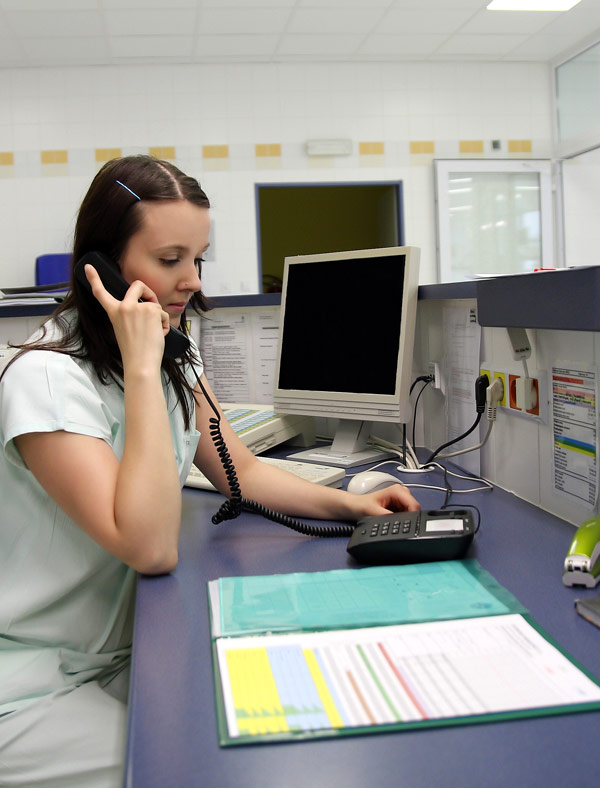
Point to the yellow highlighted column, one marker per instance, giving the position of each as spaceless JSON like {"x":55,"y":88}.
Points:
{"x":255,"y":696}
{"x":321,"y":685}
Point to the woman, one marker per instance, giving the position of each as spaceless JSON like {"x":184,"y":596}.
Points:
{"x":99,"y":431}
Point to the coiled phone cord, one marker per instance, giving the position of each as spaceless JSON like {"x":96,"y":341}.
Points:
{"x":233,"y":507}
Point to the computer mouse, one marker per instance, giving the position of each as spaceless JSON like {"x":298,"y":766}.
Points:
{"x":369,"y":481}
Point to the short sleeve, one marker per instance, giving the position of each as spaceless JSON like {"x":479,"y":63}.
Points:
{"x":46,"y":391}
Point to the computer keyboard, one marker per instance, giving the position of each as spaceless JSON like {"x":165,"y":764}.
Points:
{"x":260,"y":428}
{"x":319,"y":474}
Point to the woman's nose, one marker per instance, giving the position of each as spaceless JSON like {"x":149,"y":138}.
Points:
{"x":191,"y":280}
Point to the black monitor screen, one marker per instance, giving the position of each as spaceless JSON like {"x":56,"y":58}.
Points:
{"x":342,"y":323}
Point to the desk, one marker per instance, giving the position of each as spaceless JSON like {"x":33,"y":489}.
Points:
{"x":173,"y":729}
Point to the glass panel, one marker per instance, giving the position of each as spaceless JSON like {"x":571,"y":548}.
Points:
{"x":495,"y":222}
{"x":578,"y":95}
{"x":581,"y":196}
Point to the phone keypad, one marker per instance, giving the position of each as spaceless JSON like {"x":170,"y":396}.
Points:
{"x":400,"y":526}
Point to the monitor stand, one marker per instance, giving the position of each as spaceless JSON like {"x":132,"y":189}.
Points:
{"x":349,"y":447}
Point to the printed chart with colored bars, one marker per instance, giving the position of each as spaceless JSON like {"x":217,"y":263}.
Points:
{"x":337,"y":680}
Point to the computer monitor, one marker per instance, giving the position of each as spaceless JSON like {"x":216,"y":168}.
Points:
{"x":346,"y":344}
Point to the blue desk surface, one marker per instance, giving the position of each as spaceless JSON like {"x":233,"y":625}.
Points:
{"x":173,"y":729}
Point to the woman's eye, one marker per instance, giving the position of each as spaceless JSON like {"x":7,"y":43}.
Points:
{"x":198,"y":263}
{"x":169,"y":261}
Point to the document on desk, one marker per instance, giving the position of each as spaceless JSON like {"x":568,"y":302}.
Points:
{"x":385,"y":648}
{"x":361,"y":680}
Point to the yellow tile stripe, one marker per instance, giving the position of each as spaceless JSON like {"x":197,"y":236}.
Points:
{"x":106,"y":154}
{"x":54,"y":157}
{"x":371,"y":148}
{"x":215,"y":151}
{"x":321,"y":686}
{"x":519,"y":146}
{"x":7,"y":158}
{"x":422,"y":146}
{"x":162,"y":152}
{"x":274,"y":149}
{"x":470,"y":146}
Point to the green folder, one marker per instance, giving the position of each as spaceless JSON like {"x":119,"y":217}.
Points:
{"x":347,"y":652}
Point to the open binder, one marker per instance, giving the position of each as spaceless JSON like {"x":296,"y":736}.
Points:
{"x":346,"y":652}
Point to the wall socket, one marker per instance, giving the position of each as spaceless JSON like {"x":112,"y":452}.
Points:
{"x":433,"y":369}
{"x":539,"y":409}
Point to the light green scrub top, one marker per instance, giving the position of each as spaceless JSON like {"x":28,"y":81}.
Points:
{"x":66,"y":604}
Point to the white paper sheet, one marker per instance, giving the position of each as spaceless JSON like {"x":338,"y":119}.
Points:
{"x":239,"y":348}
{"x":462,"y":338}
{"x":394,"y":674}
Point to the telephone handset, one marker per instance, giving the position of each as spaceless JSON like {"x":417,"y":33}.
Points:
{"x":176,"y":342}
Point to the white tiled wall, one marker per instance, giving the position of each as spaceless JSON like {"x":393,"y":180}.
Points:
{"x":186,"y":107}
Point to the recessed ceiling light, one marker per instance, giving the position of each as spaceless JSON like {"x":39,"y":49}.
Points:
{"x":532,"y":5}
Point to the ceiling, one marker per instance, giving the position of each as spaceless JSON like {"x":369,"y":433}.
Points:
{"x":99,"y":32}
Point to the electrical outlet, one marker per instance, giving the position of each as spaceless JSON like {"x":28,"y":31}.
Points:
{"x":535,"y":409}
{"x":502,"y":376}
{"x":433,"y":369}
{"x":538,"y":394}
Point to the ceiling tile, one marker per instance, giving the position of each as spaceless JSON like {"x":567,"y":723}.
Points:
{"x":397,"y":45}
{"x":581,"y":20}
{"x":344,"y":4}
{"x":247,"y":3}
{"x":329,"y":20}
{"x":319,"y":45}
{"x":151,"y":22}
{"x":45,"y":5}
{"x":441,"y":5}
{"x":34,"y":24}
{"x":222,"y":21}
{"x":539,"y":48}
{"x":235,"y":46}
{"x":165,"y":5}
{"x":507,"y":22}
{"x":485,"y":46}
{"x":151,"y":46}
{"x":82,"y":49}
{"x":423,"y":21}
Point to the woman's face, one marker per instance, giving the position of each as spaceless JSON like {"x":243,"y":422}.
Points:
{"x":165,"y":253}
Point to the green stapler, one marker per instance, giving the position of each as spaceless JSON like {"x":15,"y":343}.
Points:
{"x":582,"y":564}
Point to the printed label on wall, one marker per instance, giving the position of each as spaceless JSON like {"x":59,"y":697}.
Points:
{"x":575,"y":429}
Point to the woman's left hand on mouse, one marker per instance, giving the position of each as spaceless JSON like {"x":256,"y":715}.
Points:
{"x":395,"y":498}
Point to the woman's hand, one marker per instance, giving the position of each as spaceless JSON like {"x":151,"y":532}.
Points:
{"x":396,"y":498}
{"x":140,"y":327}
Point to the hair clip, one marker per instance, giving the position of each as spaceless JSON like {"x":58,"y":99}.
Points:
{"x":129,"y":190}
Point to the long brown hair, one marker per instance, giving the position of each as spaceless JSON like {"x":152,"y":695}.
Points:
{"x":108,"y":217}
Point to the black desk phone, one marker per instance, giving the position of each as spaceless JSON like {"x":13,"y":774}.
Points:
{"x":404,"y":537}
{"x":412,"y":537}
